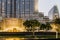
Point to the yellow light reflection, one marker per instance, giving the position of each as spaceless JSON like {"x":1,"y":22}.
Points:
{"x":14,"y":39}
{"x":12,"y":25}
{"x":54,"y":27}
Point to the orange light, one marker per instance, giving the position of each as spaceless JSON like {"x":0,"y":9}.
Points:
{"x":13,"y":25}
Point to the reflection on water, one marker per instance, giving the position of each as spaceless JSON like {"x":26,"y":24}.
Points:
{"x":12,"y":39}
{"x":19,"y":39}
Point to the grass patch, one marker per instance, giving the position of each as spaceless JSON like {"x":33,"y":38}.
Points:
{"x":31,"y":36}
{"x":46,"y":36}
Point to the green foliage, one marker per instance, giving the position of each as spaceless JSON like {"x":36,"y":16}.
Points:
{"x":27,"y":23}
{"x":43,"y":26}
{"x":46,"y":26}
{"x":57,"y":21}
{"x":31,"y":23}
{"x":57,"y":24}
{"x":34,"y":23}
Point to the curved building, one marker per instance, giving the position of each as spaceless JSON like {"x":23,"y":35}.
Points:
{"x":53,"y":13}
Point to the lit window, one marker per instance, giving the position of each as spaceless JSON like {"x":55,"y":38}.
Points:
{"x":22,"y":2}
{"x":8,"y":2}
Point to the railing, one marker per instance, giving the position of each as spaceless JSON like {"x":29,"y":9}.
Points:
{"x":29,"y":34}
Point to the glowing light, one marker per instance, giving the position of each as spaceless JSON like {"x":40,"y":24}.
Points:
{"x":53,"y":27}
{"x":36,"y":5}
{"x":14,"y":39}
{"x":12,"y":25}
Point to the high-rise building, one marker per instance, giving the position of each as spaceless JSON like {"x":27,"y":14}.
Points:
{"x":53,"y":13}
{"x":18,"y":8}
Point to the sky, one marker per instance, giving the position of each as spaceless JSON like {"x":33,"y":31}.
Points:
{"x":46,"y":5}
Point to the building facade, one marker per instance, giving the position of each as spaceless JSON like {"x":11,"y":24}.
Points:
{"x":17,"y":8}
{"x":53,"y":13}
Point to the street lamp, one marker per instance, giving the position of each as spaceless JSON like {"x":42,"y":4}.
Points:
{"x":56,"y":33}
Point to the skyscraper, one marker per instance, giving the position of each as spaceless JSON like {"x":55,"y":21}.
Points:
{"x":18,"y":8}
{"x":53,"y":13}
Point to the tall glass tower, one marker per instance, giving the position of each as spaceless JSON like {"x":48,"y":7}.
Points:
{"x":53,"y":13}
{"x":18,"y":8}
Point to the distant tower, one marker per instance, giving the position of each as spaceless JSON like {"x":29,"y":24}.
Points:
{"x":53,"y":13}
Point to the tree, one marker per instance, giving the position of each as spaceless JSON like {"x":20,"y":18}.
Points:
{"x":57,"y":24}
{"x":46,"y":26}
{"x":31,"y":23}
{"x":42,"y":26}
{"x":27,"y":24}
{"x":57,"y":21}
